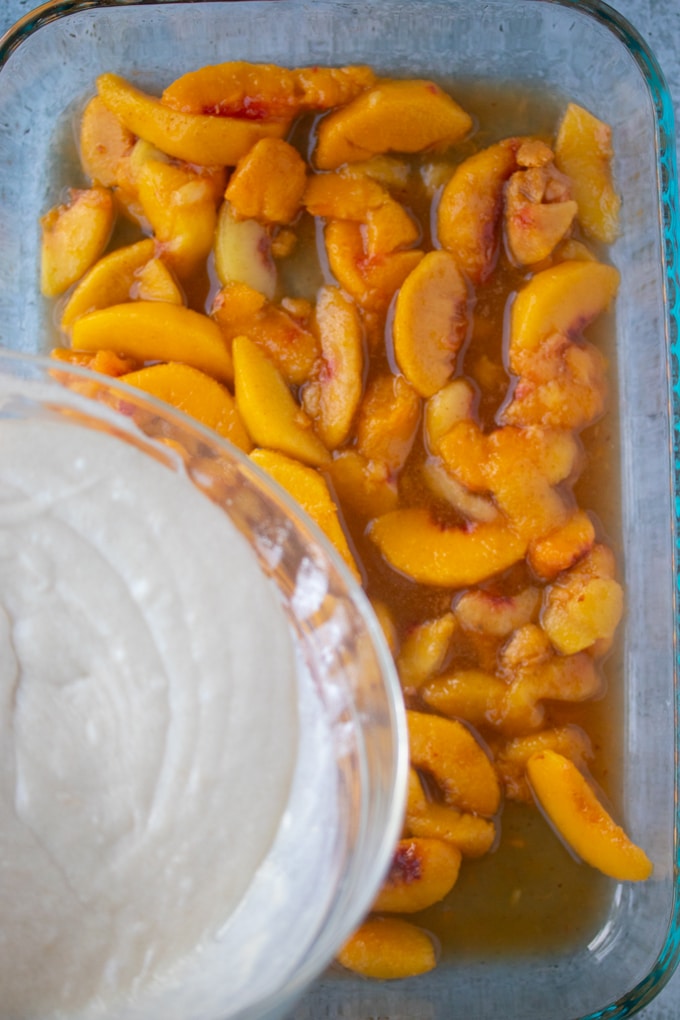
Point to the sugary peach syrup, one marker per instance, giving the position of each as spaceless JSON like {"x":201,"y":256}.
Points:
{"x":398,"y":329}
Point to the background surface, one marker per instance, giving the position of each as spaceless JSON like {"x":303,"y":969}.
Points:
{"x":658,"y":22}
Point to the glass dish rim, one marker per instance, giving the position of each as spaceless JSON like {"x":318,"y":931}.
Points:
{"x":655,"y":82}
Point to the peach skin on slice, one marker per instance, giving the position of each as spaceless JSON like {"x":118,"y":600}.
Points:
{"x":74,"y":235}
{"x":572,"y":806}
{"x":332,"y":396}
{"x":194,"y":138}
{"x":448,"y":751}
{"x":583,"y":151}
{"x":108,"y":282}
{"x":563,"y":299}
{"x":388,"y":949}
{"x":156,"y":331}
{"x":306,"y":485}
{"x":423,"y":871}
{"x":418,"y":546}
{"x":268,"y":408}
{"x":393,"y":116}
{"x":195,"y":393}
{"x":468,"y":216}
{"x":431,"y":322}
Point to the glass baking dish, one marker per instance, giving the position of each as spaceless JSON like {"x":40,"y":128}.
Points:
{"x":581,"y":51}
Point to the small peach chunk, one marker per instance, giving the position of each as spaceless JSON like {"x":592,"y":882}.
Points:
{"x":194,"y":138}
{"x":393,"y":116}
{"x":448,"y":751}
{"x":468,"y":216}
{"x":372,"y":280}
{"x":268,"y":408}
{"x":584,"y":604}
{"x":387,"y":421}
{"x":154,"y":281}
{"x":388,"y":949}
{"x":571,"y":804}
{"x":534,"y":227}
{"x":195,"y":393}
{"x":417,"y":545}
{"x":367,"y":486}
{"x":156,"y":331}
{"x":243,"y":252}
{"x":424,"y":650}
{"x":306,"y":485}
{"x":390,"y":228}
{"x":103,"y":143}
{"x":74,"y":235}
{"x":268,"y":182}
{"x":431,"y":322}
{"x":108,"y":282}
{"x":423,"y":872}
{"x":333,"y":394}
{"x":563,"y":547}
{"x":583,"y":151}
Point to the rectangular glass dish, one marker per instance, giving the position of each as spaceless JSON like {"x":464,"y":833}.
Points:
{"x":582,"y":52}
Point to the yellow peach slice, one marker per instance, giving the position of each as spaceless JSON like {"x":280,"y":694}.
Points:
{"x":103,"y":142}
{"x":534,"y":229}
{"x":390,"y":228}
{"x":496,"y":615}
{"x":306,"y":485}
{"x":367,"y":486}
{"x":264,"y":91}
{"x":563,"y":299}
{"x":584,"y":604}
{"x":156,"y":331}
{"x":268,"y":408}
{"x":243,"y":252}
{"x":424,"y":651}
{"x":332,"y":396}
{"x":470,"y":694}
{"x":420,"y":547}
{"x":472,"y":835}
{"x":453,"y":403}
{"x":456,"y":761}
{"x":583,"y":151}
{"x":343,"y":196}
{"x":387,"y":421}
{"x":571,"y":804}
{"x":512,"y":756}
{"x":423,"y":871}
{"x":372,"y":280}
{"x":109,"y":281}
{"x":195,"y":393}
{"x":431,"y":322}
{"x":445,"y":487}
{"x":561,"y":548}
{"x":74,"y":235}
{"x":155,"y":282}
{"x":388,"y":949}
{"x":393,"y":116}
{"x":195,"y":138}
{"x":268,"y":182}
{"x":468,"y":216}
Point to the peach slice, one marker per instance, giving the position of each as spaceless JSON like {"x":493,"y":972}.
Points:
{"x":561,"y":548}
{"x":268,"y":408}
{"x":424,"y":651}
{"x":388,"y":949}
{"x":194,"y":138}
{"x":393,"y":116}
{"x":431,"y":322}
{"x":306,"y":485}
{"x":574,"y":809}
{"x":265,"y":91}
{"x":243,"y":252}
{"x":387,"y":421}
{"x":534,"y":229}
{"x":472,"y":835}
{"x":343,"y":196}
{"x":74,"y":235}
{"x":155,"y":282}
{"x":496,"y":615}
{"x":103,"y":142}
{"x":423,"y":871}
{"x":268,"y":182}
{"x":179,"y":205}
{"x":445,"y":487}
{"x":453,"y":403}
{"x":563,"y":299}
{"x":511,"y":757}
{"x":470,"y":694}
{"x":195,"y":393}
{"x":108,"y":282}
{"x":583,"y":151}
{"x":448,"y":751}
{"x":585,"y":604}
{"x":390,"y":228}
{"x":416,"y":545}
{"x":372,"y":280}
{"x":367,"y":486}
{"x":468,"y":216}
{"x":156,"y":331}
{"x":332,"y":396}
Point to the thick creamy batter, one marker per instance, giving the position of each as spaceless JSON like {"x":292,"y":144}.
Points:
{"x":148,"y":721}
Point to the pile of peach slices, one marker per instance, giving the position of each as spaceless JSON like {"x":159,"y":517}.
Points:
{"x":325,"y":267}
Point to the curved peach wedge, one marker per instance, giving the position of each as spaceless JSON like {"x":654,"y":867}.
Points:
{"x":195,"y":138}
{"x":74,"y":235}
{"x":431,"y":322}
{"x":563,"y":300}
{"x":577,"y":814}
{"x":387,"y":949}
{"x":455,"y":557}
{"x":103,"y":142}
{"x":393,"y":116}
{"x":268,"y":408}
{"x":195,"y":393}
{"x":243,"y":252}
{"x":583,"y":151}
{"x":156,"y":331}
{"x":423,"y":871}
{"x":268,"y":182}
{"x":108,"y":282}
